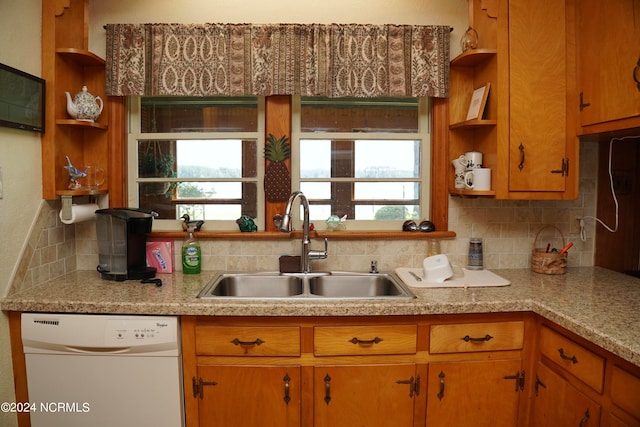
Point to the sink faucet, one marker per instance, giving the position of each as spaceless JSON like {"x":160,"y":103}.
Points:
{"x":285,"y":225}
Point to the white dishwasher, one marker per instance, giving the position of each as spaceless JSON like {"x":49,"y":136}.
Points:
{"x":103,"y":370}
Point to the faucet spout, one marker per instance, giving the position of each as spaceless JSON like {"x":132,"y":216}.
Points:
{"x":285,"y":226}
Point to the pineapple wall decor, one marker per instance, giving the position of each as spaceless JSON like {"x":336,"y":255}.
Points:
{"x":277,"y":181}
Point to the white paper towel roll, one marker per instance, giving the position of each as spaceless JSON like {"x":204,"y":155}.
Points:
{"x":80,"y":213}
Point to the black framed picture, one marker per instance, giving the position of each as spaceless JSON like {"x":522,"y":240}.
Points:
{"x":22,"y":100}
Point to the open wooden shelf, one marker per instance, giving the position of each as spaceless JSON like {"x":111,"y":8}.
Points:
{"x":473,"y":57}
{"x":81,"y":56}
{"x":473,"y":123}
{"x":81,"y":123}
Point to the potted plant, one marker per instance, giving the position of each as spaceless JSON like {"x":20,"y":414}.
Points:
{"x":156,"y":164}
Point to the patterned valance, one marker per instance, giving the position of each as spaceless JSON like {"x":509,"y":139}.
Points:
{"x":282,"y":59}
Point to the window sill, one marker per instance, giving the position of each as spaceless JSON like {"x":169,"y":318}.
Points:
{"x":344,"y":235}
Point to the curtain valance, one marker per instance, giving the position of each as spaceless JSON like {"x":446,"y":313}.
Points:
{"x":281,"y":59}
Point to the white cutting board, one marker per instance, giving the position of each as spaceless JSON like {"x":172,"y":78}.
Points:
{"x":470,"y":278}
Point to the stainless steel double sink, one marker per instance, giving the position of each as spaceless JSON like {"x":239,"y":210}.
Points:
{"x":320,"y":285}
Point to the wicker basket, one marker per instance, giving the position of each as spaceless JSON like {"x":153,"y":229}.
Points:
{"x":546,"y":262}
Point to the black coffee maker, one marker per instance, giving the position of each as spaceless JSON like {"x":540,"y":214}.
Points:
{"x":122,"y":242}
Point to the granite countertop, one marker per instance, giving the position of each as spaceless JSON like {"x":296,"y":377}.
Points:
{"x":600,"y":305}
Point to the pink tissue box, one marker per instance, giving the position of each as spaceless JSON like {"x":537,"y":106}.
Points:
{"x":160,"y":255}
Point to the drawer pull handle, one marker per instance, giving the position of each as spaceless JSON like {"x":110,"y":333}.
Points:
{"x":237,"y":341}
{"x":356,"y":340}
{"x":327,"y":389}
{"x":441,"y":392}
{"x":287,"y":380}
{"x":467,"y":338}
{"x":573,"y":359}
{"x":585,"y":419}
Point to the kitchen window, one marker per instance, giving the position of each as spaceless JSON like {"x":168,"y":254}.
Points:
{"x":365,"y":160}
{"x":200,"y":156}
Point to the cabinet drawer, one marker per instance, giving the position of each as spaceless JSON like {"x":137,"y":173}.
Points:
{"x":248,"y":341}
{"x":470,"y":337}
{"x":625,"y":391}
{"x":574,"y":358}
{"x":364,"y":340}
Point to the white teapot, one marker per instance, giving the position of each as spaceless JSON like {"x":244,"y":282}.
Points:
{"x":84,"y":106}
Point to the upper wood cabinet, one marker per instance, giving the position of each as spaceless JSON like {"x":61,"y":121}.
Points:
{"x":528,"y":131}
{"x":67,"y":65}
{"x":609,"y":64}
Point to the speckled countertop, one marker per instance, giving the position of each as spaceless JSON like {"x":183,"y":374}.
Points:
{"x":600,"y":305}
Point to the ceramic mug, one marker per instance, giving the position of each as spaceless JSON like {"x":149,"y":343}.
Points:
{"x":474,"y":159}
{"x":459,"y":166}
{"x":478,"y":179}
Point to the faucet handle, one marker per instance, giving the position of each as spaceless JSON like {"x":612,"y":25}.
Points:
{"x":320,"y":254}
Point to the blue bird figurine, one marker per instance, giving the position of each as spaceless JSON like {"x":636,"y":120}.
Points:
{"x":74,"y":175}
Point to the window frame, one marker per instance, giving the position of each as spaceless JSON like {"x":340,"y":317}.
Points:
{"x":423,"y":134}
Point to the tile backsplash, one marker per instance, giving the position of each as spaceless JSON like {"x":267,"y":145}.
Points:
{"x":508,"y":229}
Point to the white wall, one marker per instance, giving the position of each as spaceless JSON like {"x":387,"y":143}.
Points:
{"x":416,"y":12}
{"x":20,"y":45}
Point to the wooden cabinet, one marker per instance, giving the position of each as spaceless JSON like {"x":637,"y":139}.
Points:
{"x":558,"y":403}
{"x":573,"y":358}
{"x":248,"y":396}
{"x":301,"y":372}
{"x":67,"y":66}
{"x":578,"y":383}
{"x":377,"y":395}
{"x":608,"y":66}
{"x":483,"y":382}
{"x":528,"y":131}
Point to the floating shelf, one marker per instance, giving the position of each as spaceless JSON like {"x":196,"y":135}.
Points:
{"x":81,"y":56}
{"x":81,"y":192}
{"x":471,"y":193}
{"x":473,"y":124}
{"x":473,"y":57}
{"x":81,"y":123}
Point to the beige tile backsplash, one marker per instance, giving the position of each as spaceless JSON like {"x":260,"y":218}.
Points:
{"x":508,"y":229}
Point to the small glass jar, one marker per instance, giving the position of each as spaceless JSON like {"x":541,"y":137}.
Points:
{"x":469,"y":39}
{"x":433,"y":247}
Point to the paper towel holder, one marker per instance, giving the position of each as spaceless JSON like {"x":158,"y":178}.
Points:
{"x":67,"y":202}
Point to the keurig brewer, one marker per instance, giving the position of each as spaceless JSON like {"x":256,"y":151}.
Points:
{"x":122,"y":243}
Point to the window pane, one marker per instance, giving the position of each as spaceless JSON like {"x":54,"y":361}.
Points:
{"x":392,"y":212}
{"x":386,"y":191}
{"x":316,"y":190}
{"x":221,"y":158}
{"x":209,"y":190}
{"x":199,"y":114}
{"x":315,"y":158}
{"x":320,"y":114}
{"x":387,"y":159}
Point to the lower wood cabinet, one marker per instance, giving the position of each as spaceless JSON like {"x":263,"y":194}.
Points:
{"x":371,"y":395}
{"x":474,"y":393}
{"x":492,"y":370}
{"x":558,"y":403}
{"x":248,"y":396}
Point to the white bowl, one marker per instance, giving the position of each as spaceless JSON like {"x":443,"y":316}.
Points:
{"x":437,"y":268}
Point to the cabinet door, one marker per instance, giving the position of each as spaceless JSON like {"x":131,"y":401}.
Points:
{"x":249,"y":396}
{"x":609,"y":51}
{"x":558,"y":403}
{"x":373,"y":395}
{"x":473,"y":394}
{"x":538,"y":95}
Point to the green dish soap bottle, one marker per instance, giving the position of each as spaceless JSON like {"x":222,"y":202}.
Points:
{"x":191,"y":255}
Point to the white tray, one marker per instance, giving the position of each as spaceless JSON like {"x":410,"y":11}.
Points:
{"x":471,"y":278}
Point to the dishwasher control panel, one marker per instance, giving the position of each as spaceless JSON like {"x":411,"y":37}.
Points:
{"x":124,"y":332}
{"x":85,"y":334}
